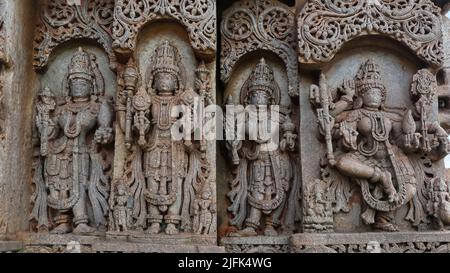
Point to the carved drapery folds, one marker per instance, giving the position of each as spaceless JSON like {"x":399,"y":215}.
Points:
{"x":61,"y":22}
{"x":197,"y":16}
{"x":251,"y":25}
{"x":325,"y":26}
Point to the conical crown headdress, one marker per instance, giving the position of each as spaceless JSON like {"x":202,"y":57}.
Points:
{"x":80,"y":66}
{"x":262,"y":79}
{"x":166,"y":59}
{"x":368,"y":77}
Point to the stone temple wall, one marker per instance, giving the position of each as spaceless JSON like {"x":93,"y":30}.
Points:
{"x":93,"y":93}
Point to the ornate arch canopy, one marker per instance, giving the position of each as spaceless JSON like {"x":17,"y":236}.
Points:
{"x":198,"y":17}
{"x":252,"y":25}
{"x":324,"y":26}
{"x":61,"y":22}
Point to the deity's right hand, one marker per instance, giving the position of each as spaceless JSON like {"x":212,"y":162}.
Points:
{"x":348,"y":88}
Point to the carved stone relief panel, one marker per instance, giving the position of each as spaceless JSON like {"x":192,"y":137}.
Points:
{"x":250,"y":213}
{"x":73,"y":132}
{"x":397,"y":179}
{"x":166,"y":186}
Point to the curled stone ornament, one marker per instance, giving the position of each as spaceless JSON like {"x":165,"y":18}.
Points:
{"x":325,"y":26}
{"x":61,"y":22}
{"x":197,"y":16}
{"x":252,"y":25}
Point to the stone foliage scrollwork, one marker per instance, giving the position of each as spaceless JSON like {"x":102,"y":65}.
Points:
{"x":375,"y":247}
{"x":325,"y":26}
{"x":248,"y":248}
{"x":60,"y":22}
{"x":197,"y":16}
{"x":259,"y":25}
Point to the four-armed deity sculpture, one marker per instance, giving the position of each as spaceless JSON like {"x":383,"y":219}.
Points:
{"x":265,"y":176}
{"x":373,"y":144}
{"x":69,"y":175}
{"x":166,"y":177}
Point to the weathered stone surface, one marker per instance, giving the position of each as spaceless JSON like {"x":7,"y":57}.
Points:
{"x":407,"y":242}
{"x":88,"y":158}
{"x":10,"y":246}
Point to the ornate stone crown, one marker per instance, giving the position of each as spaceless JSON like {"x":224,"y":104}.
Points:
{"x":166,"y":59}
{"x":368,"y":77}
{"x":80,"y":66}
{"x":262,"y":80}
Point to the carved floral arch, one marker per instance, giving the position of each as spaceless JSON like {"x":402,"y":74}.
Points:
{"x":60,"y":22}
{"x":324,"y":26}
{"x":252,"y":25}
{"x":197,"y":17}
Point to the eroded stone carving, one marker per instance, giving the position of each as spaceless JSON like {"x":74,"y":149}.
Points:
{"x":168,"y":179}
{"x":325,"y":26}
{"x":264,"y":176}
{"x":252,"y":25}
{"x":197,"y":16}
{"x":70,"y":179}
{"x":373,"y":144}
{"x":61,"y":21}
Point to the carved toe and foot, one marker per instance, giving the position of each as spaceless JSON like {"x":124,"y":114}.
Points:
{"x":154,"y":229}
{"x":270,"y":231}
{"x":83,"y":229}
{"x":171,"y":229}
{"x":246,"y":232}
{"x":389,"y":227}
{"x":62,"y":229}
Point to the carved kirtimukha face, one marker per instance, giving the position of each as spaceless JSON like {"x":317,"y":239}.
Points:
{"x":165,"y":83}
{"x":80,"y":88}
{"x":373,"y":98}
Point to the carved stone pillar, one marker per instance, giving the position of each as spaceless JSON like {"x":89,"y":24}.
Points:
{"x":17,"y":89}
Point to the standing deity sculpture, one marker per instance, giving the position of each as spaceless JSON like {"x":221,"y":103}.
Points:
{"x":374,"y":145}
{"x":165,"y":175}
{"x":264,"y":173}
{"x":69,"y":175}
